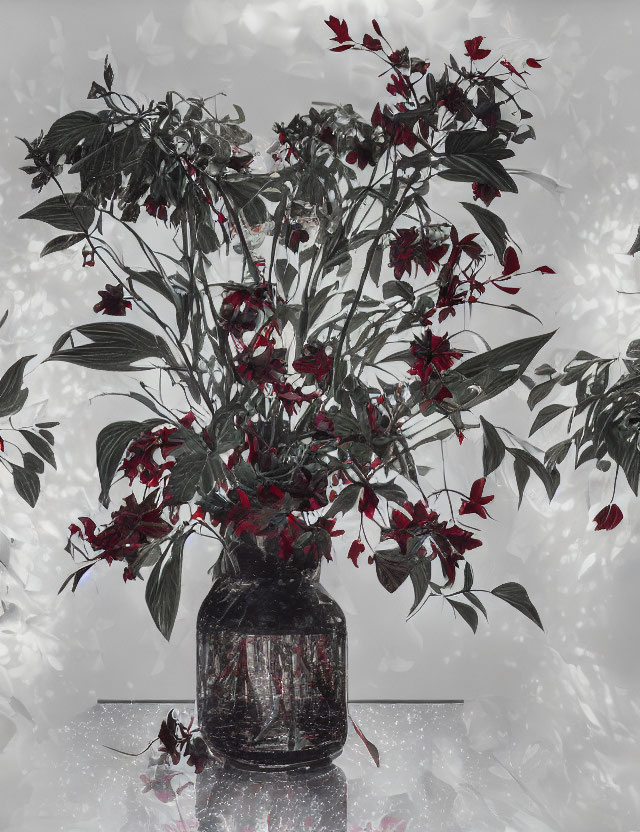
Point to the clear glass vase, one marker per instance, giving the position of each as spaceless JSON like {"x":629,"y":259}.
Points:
{"x":271,"y":665}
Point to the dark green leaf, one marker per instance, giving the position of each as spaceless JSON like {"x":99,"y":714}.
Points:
{"x":111,"y":444}
{"x":345,"y":500}
{"x":27,"y":484}
{"x":635,"y":248}
{"x":476,"y":602}
{"x":540,"y":392}
{"x":152,"y":280}
{"x":71,"y":129}
{"x":32,"y":462}
{"x":472,"y":168}
{"x":391,"y":491}
{"x":392,"y":568}
{"x":76,"y":577}
{"x":546,"y":415}
{"x":69,"y":212}
{"x":468,"y":577}
{"x":554,"y":455}
{"x":115,"y":346}
{"x":491,"y":225}
{"x":493,"y":448}
{"x":517,"y":596}
{"x":550,"y":479}
{"x":420,"y":576}
{"x":522,"y":472}
{"x":60,"y":243}
{"x":12,"y":395}
{"x":40,"y":446}
{"x":466,"y":612}
{"x":185,"y":475}
{"x":163,"y":588}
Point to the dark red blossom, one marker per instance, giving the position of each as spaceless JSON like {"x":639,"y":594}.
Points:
{"x":309,"y":488}
{"x":355,"y":550}
{"x":139,"y":460}
{"x":339,"y":29}
{"x":291,"y":397}
{"x":432,"y":354}
{"x":314,"y":361}
{"x":270,"y":495}
{"x":295,"y":235}
{"x":133,"y":525}
{"x":476,"y":502}
{"x":608,"y":518}
{"x":239,"y":515}
{"x":262,"y":364}
{"x":156,"y":208}
{"x":534,"y":63}
{"x":368,"y":502}
{"x":373,"y":44}
{"x":323,"y":423}
{"x":1,"y":444}
{"x":474,"y":50}
{"x":240,"y":308}
{"x":397,"y":132}
{"x":113,"y":301}
{"x":364,"y":153}
{"x":544,"y":270}
{"x":510,"y":262}
{"x":487,"y":193}
{"x":401,"y":251}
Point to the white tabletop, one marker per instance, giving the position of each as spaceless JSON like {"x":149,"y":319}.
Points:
{"x":430,"y":780}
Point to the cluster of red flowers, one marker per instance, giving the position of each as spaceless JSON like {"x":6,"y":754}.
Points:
{"x":133,"y":525}
{"x":409,"y":248}
{"x":156,"y":208}
{"x":240,"y":308}
{"x":418,"y":522}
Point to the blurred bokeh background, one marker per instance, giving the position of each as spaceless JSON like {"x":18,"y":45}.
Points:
{"x":561,"y":707}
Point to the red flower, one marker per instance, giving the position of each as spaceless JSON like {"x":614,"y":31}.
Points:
{"x":428,"y":256}
{"x":355,"y":550}
{"x":476,"y":502}
{"x":339,"y":29}
{"x":139,"y":460}
{"x":198,"y":514}
{"x":270,"y":495}
{"x":363,"y":153}
{"x":508,"y":65}
{"x":371,"y":43}
{"x":397,"y":132}
{"x":608,"y":518}
{"x":113,"y":302}
{"x":1,"y":444}
{"x":155,"y":208}
{"x":310,"y":489}
{"x":265,"y":367}
{"x":487,"y":193}
{"x":368,"y":502}
{"x":544,"y":270}
{"x":534,"y":63}
{"x":432,"y":354}
{"x":239,"y":515}
{"x":292,"y":397}
{"x":323,"y":423}
{"x":474,"y":50}
{"x":401,"y":251}
{"x":239,"y":309}
{"x":314,"y":361}
{"x":295,"y":236}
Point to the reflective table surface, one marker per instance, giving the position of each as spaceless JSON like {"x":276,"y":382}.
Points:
{"x":429,"y":780}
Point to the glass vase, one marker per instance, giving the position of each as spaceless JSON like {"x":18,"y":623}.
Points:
{"x":271,"y":664}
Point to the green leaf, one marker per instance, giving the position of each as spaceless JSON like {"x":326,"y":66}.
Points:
{"x":111,"y":444}
{"x":540,"y":392}
{"x":546,"y":415}
{"x":392,"y":568}
{"x":635,"y":248}
{"x":76,"y":577}
{"x":420,"y":576}
{"x":476,"y":602}
{"x":466,"y":612}
{"x":115,"y":347}
{"x":554,"y":455}
{"x":27,"y":484}
{"x":40,"y":446}
{"x":185,"y":474}
{"x":468,"y":577}
{"x":345,"y":500}
{"x":69,"y":212}
{"x":493,"y":448}
{"x":68,"y":131}
{"x":522,"y":472}
{"x":12,"y":394}
{"x":550,"y":479}
{"x":493,"y":371}
{"x":163,"y":588}
{"x":152,"y":280}
{"x":491,"y":225}
{"x":517,"y":596}
{"x":472,"y":168}
{"x":60,"y":243}
{"x":32,"y":462}
{"x":391,"y":491}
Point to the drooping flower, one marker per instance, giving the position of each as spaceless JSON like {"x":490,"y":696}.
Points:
{"x":339,"y":29}
{"x":486,"y":193}
{"x":608,"y":518}
{"x":401,"y":251}
{"x":355,"y":550}
{"x":534,"y":63}
{"x":368,"y":502}
{"x":239,"y":309}
{"x":113,"y":301}
{"x":476,"y":502}
{"x":263,"y":367}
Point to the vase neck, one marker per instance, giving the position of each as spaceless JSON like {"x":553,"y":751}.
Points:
{"x":257,"y":560}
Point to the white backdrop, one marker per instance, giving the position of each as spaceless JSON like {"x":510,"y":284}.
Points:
{"x":562,"y":705}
